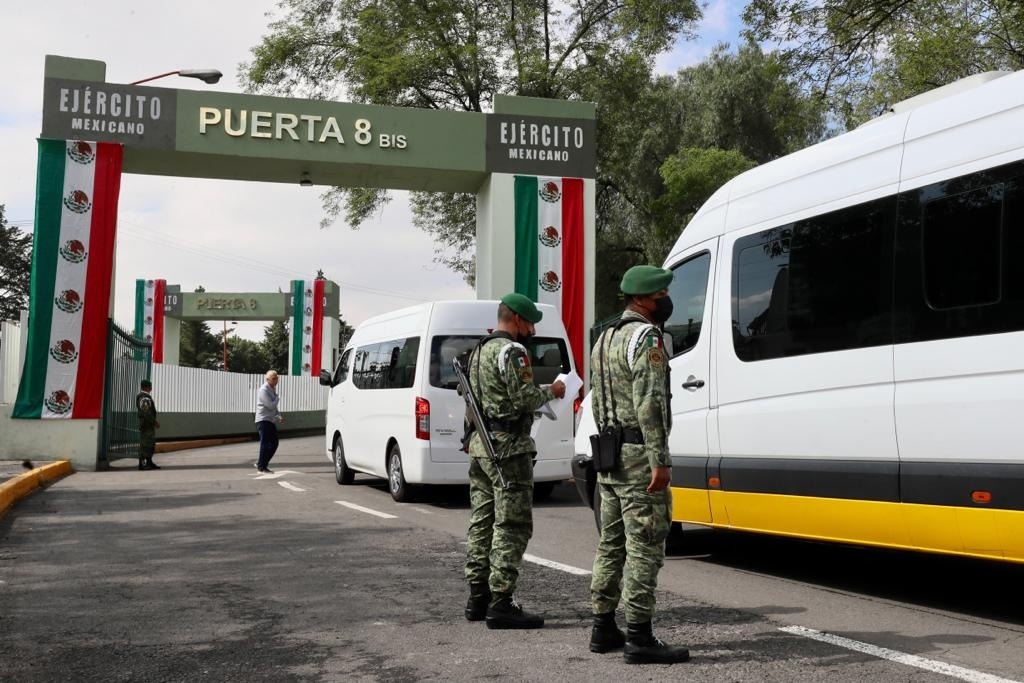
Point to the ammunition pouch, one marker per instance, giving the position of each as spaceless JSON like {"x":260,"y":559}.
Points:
{"x":606,"y":447}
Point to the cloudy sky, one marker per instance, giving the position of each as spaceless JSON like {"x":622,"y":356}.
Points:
{"x":226,"y":236}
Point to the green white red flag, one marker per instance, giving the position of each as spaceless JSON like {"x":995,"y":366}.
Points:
{"x":307,"y":326}
{"x":72,"y":261}
{"x":549,"y":249}
{"x":149,"y":315}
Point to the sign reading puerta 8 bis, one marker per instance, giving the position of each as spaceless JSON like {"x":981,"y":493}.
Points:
{"x":461,"y":146}
{"x":531,"y":164}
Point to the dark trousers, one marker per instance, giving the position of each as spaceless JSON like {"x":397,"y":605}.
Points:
{"x":268,"y":442}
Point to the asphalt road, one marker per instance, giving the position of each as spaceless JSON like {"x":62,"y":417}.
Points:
{"x":205,"y":571}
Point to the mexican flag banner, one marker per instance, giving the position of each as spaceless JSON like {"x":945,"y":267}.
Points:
{"x":72,"y":259}
{"x":149,"y":314}
{"x":549,"y":249}
{"x":307,"y":326}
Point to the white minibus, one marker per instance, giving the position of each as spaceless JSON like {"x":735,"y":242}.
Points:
{"x":393,"y":409}
{"x":848,"y":336}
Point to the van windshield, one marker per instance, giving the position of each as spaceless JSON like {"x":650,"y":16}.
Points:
{"x":548,"y":356}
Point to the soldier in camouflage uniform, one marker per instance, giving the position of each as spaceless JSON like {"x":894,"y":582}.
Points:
{"x":148,"y":425}
{"x":501,"y":521}
{"x":629,"y":387}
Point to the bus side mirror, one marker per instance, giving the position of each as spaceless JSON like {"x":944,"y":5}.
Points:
{"x":325,"y":378}
{"x":669,"y":343}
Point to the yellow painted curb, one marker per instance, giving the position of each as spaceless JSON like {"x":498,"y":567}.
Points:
{"x":13,"y":490}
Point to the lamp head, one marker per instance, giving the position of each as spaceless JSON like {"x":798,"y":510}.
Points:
{"x":210,"y":76}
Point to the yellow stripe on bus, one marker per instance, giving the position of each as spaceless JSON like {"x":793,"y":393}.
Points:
{"x":972,"y":532}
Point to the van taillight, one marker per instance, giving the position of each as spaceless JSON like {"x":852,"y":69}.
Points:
{"x":422,"y":419}
{"x":576,"y":405}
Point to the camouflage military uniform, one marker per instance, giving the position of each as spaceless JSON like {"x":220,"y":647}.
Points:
{"x":634,"y":523}
{"x":147,"y":426}
{"x":501,"y":522}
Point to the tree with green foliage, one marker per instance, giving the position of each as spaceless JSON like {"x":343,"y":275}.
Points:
{"x":245,"y":355}
{"x":200,"y":348}
{"x":15,"y":269}
{"x":692,"y":133}
{"x":275,"y":347}
{"x":458,"y":54}
{"x":866,"y":55}
{"x":691,"y":176}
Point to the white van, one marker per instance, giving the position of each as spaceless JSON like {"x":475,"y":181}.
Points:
{"x":849,"y":335}
{"x":393,"y":410}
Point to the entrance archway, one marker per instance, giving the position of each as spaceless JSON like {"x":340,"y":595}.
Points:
{"x":531,"y":164}
{"x":311,"y":306}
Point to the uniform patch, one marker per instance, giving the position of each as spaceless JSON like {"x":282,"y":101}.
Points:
{"x":654,"y":342}
{"x":526,"y":375}
{"x":656,"y":356}
{"x":521,"y":361}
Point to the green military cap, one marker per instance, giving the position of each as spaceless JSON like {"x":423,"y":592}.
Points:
{"x":521,"y":304}
{"x":640,"y":280}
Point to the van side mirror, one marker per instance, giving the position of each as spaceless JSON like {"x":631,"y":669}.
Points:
{"x":325,"y":378}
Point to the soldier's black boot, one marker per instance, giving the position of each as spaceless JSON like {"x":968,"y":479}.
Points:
{"x":152,"y":465}
{"x":479,"y":600}
{"x":642,"y":647}
{"x":606,"y":635}
{"x":505,"y":612}
{"x":142,"y":463}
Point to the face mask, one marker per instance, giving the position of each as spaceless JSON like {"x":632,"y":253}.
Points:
{"x":662,"y":309}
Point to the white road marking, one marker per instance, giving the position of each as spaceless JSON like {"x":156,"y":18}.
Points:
{"x":290,"y":486}
{"x":366,"y":510}
{"x":556,"y":565}
{"x":899,"y":657}
{"x":420,"y":510}
{"x":275,"y":475}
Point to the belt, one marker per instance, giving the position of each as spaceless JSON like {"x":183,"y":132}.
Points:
{"x":632,"y":435}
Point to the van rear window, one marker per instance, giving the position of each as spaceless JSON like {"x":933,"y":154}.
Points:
{"x":548,"y":356}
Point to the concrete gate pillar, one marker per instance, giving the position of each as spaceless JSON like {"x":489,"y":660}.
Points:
{"x":495,"y":215}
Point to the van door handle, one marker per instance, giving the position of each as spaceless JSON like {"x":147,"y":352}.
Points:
{"x":693,"y":383}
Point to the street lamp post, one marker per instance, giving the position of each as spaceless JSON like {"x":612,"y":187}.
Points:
{"x":224,"y":342}
{"x":205,"y":75}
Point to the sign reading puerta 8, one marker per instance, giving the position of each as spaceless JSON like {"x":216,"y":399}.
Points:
{"x":457,"y":147}
{"x":531,"y":164}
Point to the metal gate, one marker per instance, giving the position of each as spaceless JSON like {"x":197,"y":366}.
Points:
{"x":129,"y":361}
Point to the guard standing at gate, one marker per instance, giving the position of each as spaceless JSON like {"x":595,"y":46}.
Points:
{"x":501,"y":519}
{"x":630,"y":400}
{"x":148,"y":425}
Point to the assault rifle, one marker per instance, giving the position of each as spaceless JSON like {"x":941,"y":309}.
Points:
{"x":476,"y":417}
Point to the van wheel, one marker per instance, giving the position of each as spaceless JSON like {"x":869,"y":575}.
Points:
{"x":542,"y":490}
{"x":342,"y":473}
{"x":396,"y":476}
